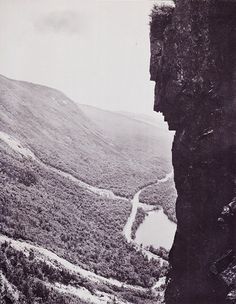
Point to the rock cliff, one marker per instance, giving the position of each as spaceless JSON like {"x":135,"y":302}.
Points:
{"x":193,"y":62}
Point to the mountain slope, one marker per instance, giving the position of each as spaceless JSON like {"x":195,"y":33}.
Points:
{"x":41,"y":130}
{"x":54,"y":212}
{"x":65,"y":135}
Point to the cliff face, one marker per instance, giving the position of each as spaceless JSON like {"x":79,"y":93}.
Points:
{"x":194,"y":65}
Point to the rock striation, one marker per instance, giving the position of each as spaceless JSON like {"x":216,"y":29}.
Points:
{"x":193,"y":62}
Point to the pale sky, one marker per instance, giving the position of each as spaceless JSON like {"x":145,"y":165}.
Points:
{"x":95,"y":51}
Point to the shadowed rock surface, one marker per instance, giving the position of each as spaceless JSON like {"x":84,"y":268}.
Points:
{"x":193,"y":63}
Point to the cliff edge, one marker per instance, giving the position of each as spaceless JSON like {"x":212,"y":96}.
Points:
{"x":193,"y":62}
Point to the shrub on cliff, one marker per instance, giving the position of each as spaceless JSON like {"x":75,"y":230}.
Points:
{"x":160,"y":17}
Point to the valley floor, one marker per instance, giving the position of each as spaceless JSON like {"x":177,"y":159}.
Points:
{"x":114,"y":263}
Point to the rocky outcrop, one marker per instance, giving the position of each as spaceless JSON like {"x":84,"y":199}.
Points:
{"x":193,"y":63}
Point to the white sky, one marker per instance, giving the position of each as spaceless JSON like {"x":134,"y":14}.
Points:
{"x":95,"y":51}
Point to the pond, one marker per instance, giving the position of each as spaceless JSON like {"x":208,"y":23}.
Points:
{"x":156,"y":230}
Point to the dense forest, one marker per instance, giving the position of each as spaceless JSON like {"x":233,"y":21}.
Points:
{"x":42,"y":207}
{"x":105,"y":149}
{"x":162,"y":194}
{"x":140,"y":216}
{"x":27,"y":279}
{"x":108,"y":150}
{"x":23,"y":280}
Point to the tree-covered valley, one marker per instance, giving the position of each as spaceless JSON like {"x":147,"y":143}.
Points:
{"x":104,"y":149}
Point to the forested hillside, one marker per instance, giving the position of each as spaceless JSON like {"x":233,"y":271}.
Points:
{"x":161,"y":194}
{"x":45,"y":208}
{"x":129,"y":153}
{"x":41,"y":130}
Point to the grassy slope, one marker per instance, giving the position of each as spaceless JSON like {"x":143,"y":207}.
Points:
{"x":105,"y":149}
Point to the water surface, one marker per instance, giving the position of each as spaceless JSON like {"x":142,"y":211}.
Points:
{"x":156,"y":230}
